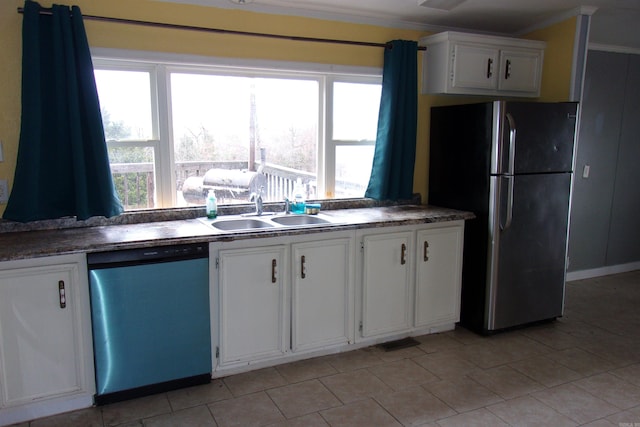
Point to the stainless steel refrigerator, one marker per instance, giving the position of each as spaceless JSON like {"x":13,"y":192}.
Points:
{"x":511,"y":163}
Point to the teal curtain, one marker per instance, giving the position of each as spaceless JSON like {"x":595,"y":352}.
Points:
{"x":62,"y":166}
{"x":395,"y":150}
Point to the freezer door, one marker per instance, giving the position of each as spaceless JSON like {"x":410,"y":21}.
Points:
{"x":528,"y":252}
{"x":537,"y":137}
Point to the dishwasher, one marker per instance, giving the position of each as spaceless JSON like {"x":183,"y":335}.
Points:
{"x":151,"y":321}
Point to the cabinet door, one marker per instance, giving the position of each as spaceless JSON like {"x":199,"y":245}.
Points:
{"x":322,"y":283}
{"x":386,"y":283}
{"x":438,"y":275}
{"x":251,"y":287}
{"x":39,"y":336}
{"x":520,"y":70}
{"x":474,"y":67}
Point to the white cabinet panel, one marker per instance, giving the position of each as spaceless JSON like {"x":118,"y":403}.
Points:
{"x":520,"y":70}
{"x":475,"y":67}
{"x":386,"y":283}
{"x":45,"y":341}
{"x":252,"y":285}
{"x":438,"y":275}
{"x":322,"y":283}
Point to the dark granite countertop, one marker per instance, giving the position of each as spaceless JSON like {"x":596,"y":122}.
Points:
{"x":39,"y":243}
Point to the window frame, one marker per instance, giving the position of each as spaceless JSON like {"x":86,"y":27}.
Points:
{"x":160,"y":67}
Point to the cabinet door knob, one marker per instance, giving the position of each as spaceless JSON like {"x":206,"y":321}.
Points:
{"x":62,"y":294}
{"x":303,"y":272}
{"x":403,"y":256}
{"x":426,"y":249}
{"x":274,"y":264}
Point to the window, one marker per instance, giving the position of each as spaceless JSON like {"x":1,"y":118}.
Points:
{"x":175,"y":130}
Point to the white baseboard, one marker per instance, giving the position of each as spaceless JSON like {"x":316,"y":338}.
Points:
{"x":602,"y":271}
{"x":45,"y":408}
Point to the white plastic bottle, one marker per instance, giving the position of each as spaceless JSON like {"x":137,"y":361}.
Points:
{"x":212,"y":205}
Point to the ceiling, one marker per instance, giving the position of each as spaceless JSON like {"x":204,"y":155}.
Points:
{"x":615,"y":22}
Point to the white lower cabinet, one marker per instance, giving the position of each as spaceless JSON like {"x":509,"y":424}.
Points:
{"x":321,"y":294}
{"x":409,"y":280}
{"x":386,"y":283}
{"x":252,"y":285}
{"x":45,"y":338}
{"x":438,"y":275}
{"x":281,"y":296}
{"x":273,"y":300}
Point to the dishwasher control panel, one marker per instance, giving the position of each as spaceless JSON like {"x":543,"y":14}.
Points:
{"x":144,"y":255}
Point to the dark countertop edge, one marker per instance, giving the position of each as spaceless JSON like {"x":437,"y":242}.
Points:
{"x":43,"y":243}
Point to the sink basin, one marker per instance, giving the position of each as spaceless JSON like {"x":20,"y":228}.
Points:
{"x":299,"y":220}
{"x":240,"y":224}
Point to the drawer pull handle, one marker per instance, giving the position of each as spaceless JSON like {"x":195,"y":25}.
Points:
{"x":507,"y":70}
{"x":403,"y":256}
{"x":489,"y":64}
{"x":426,"y":251}
{"x":62,"y":294}
{"x":303,"y":269}
{"x":274,"y":264}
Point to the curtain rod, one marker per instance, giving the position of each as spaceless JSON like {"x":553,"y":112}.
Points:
{"x":223,"y":31}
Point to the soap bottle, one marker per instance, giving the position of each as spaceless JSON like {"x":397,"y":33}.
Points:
{"x":212,"y":205}
{"x":298,"y":198}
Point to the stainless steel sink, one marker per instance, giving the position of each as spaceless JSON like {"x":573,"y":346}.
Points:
{"x":299,"y":220}
{"x":266,"y":222}
{"x":240,"y":224}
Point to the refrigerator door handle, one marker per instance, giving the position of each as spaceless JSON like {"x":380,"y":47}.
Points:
{"x":509,"y":218}
{"x":512,"y":143}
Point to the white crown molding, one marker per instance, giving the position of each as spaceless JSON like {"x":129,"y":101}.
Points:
{"x":329,"y":16}
{"x":378,"y":21}
{"x":580,"y":10}
{"x":335,"y":16}
{"x":613,"y":48}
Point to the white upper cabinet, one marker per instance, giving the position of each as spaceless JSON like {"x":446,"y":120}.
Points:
{"x":470,"y":64}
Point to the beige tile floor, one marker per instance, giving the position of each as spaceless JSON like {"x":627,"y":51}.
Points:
{"x":583,"y":369}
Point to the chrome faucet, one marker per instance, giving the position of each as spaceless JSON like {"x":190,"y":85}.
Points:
{"x":287,"y":206}
{"x":257,"y":198}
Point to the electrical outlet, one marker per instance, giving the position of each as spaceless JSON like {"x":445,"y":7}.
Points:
{"x":4,"y":191}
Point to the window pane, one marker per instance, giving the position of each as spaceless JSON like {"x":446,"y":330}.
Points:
{"x":353,"y":169}
{"x":355,"y":111}
{"x":125,"y":102}
{"x":133,"y":169}
{"x":219,"y":121}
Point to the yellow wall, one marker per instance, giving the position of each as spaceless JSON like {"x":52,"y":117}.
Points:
{"x":558,"y":59}
{"x":101,"y":34}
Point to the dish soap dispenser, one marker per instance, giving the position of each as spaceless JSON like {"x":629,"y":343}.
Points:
{"x":212,"y":205}
{"x":298,"y":198}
